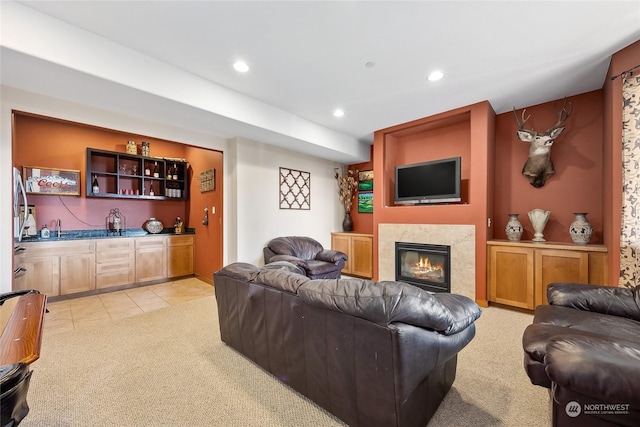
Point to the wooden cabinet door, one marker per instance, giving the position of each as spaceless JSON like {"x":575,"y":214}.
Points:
{"x":559,"y":266}
{"x":511,"y":276}
{"x":342,"y":243}
{"x":42,"y":274}
{"x":150,"y":264}
{"x":150,"y":259}
{"x":77,"y":273}
{"x":362,"y":256}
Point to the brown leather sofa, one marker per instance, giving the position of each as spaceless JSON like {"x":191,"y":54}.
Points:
{"x":308,"y":254}
{"x":585,"y":348}
{"x":371,"y":353}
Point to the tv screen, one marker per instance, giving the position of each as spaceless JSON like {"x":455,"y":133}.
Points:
{"x":436,"y":181}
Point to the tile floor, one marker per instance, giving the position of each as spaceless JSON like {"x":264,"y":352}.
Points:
{"x":78,"y":312}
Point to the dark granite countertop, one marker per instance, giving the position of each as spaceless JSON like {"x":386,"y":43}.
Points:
{"x":103,"y":234}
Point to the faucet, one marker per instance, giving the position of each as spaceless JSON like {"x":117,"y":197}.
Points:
{"x":58,"y":228}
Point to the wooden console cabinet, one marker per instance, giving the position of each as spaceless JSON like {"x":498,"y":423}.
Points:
{"x":359,"y":249}
{"x":518,"y":272}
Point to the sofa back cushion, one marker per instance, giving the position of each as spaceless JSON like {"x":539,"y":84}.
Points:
{"x":282,"y":276}
{"x":388,"y":302}
{"x":298,"y":246}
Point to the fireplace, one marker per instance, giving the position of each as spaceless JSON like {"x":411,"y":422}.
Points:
{"x":424,"y":265}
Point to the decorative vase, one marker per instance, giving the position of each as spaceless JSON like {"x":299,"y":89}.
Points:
{"x":580,"y":229}
{"x":347,"y":223}
{"x":514,"y":228}
{"x":153,"y":226}
{"x":538,"y":218}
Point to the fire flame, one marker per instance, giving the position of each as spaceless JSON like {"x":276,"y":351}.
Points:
{"x":424,"y":266}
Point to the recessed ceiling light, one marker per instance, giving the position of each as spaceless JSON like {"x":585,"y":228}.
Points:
{"x":338,"y":113}
{"x":370,"y":64}
{"x":241,"y":66}
{"x":435,"y":75}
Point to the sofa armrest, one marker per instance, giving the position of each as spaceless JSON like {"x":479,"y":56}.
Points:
{"x":600,"y":367}
{"x":331,"y":256}
{"x":298,"y":262}
{"x":615,"y":301}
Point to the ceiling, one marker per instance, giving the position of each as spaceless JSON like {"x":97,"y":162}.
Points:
{"x":371,"y":58}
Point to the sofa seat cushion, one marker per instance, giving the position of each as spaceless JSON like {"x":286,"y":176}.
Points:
{"x":600,"y":367}
{"x":389,"y":302}
{"x":588,"y":321}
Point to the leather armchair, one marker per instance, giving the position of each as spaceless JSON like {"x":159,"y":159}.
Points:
{"x":585,"y":347}
{"x":307,"y":254}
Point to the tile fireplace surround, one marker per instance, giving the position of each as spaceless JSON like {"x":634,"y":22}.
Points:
{"x":461,"y":238}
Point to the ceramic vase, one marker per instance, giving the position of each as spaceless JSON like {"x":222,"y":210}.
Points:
{"x":514,"y":228}
{"x":539,"y":218}
{"x":153,"y":226}
{"x":580,"y":229}
{"x":347,"y":223}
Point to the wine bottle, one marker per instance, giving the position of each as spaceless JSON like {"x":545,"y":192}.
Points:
{"x":96,"y":187}
{"x":175,"y":171}
{"x":147,"y":170}
{"x":156,"y":171}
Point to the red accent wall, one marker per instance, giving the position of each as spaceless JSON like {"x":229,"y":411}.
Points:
{"x":467,"y":132}
{"x":576,"y":185}
{"x":50,"y":142}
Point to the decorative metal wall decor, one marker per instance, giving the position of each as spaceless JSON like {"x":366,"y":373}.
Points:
{"x":295,"y":189}
{"x":207,"y":180}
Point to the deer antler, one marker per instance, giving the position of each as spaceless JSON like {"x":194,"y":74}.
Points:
{"x":563,"y":114}
{"x":521,"y":124}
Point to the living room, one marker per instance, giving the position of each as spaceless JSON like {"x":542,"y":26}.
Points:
{"x":249,"y":210}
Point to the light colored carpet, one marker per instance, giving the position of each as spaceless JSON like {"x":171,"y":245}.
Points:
{"x":169,"y":368}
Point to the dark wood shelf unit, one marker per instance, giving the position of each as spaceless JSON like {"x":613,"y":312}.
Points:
{"x":123,"y":175}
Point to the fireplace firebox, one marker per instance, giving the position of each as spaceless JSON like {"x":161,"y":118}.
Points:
{"x":424,"y":265}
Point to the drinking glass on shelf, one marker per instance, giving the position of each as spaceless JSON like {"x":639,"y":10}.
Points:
{"x":134,"y":169}
{"x":123,"y":168}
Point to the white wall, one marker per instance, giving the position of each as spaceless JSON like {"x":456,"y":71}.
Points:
{"x":258,"y":215}
{"x":251,"y":194}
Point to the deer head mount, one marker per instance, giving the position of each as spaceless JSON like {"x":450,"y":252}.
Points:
{"x":539,"y":166}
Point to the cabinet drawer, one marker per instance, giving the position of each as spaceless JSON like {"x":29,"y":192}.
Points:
{"x":115,"y":245}
{"x":59,"y":248}
{"x":180,"y":241}
{"x":110,"y":267}
{"x":123,"y":255}
{"x":150,"y":242}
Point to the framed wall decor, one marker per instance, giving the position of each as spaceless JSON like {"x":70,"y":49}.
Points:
{"x":58,"y":182}
{"x":365,"y":202}
{"x":365,"y":180}
{"x":295,"y":189}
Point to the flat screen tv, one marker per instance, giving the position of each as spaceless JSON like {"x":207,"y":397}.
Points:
{"x":435,"y":181}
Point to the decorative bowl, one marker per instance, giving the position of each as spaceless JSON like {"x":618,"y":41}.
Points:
{"x":153,"y":226}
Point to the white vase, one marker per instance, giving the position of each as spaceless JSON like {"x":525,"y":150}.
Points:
{"x":539,"y":218}
{"x":580,"y":229}
{"x":514,"y":228}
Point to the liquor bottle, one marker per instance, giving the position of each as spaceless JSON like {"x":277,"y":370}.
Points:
{"x":96,"y":187}
{"x":175,"y":171}
{"x":151,"y":192}
{"x":147,"y":170}
{"x":156,"y":171}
